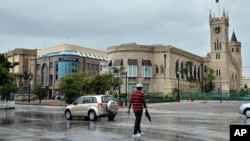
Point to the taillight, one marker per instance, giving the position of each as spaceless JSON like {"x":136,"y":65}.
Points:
{"x":100,"y":106}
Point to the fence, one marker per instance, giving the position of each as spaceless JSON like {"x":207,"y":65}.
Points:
{"x":215,"y":96}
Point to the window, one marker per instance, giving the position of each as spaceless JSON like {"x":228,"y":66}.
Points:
{"x":131,"y":87}
{"x":146,"y":68}
{"x":51,"y":64}
{"x":66,"y":67}
{"x":217,"y":45}
{"x":108,"y":66}
{"x":80,"y":100}
{"x":147,"y":71}
{"x":106,"y":99}
{"x":118,"y":64}
{"x":162,"y":68}
{"x":217,"y":55}
{"x":38,"y":66}
{"x":132,"y":67}
{"x":25,"y":56}
{"x":218,"y":72}
{"x":132,"y":71}
{"x":97,"y":67}
{"x":156,"y":69}
{"x":25,"y":67}
{"x":44,"y":75}
{"x":145,"y":88}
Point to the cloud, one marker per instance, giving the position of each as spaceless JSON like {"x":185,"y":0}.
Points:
{"x":102,"y":23}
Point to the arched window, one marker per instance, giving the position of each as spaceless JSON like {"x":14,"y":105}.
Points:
{"x":176,"y":68}
{"x":156,"y":69}
{"x":182,"y":75}
{"x":44,"y":76}
{"x":162,"y":68}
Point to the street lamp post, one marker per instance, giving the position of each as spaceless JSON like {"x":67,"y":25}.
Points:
{"x":178,"y":93}
{"x":126,"y":100}
{"x":29,"y":88}
{"x":220,"y":90}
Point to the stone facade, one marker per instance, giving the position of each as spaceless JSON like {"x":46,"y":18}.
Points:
{"x":166,"y":61}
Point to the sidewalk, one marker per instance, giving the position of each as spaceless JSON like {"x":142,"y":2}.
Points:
{"x":48,"y":103}
{"x":43,"y":102}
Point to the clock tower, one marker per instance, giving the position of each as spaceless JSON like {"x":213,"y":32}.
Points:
{"x":220,"y":52}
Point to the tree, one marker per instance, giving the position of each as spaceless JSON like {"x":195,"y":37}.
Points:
{"x":8,"y":89}
{"x":7,"y":80}
{"x":88,"y":84}
{"x":39,"y":91}
{"x":208,"y":79}
{"x":117,"y":72}
{"x":71,"y":85}
{"x":102,"y":82}
{"x":187,"y":70}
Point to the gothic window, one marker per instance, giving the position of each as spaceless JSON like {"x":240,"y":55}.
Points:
{"x":156,"y":69}
{"x":195,"y":71}
{"x":232,"y":49}
{"x":176,"y":68}
{"x":205,"y":69}
{"x":218,"y":72}
{"x":217,"y":45}
{"x":217,"y":55}
{"x":162,"y":68}
{"x":182,"y":75}
{"x":199,"y":74}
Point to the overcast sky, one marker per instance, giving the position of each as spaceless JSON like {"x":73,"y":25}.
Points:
{"x":98,"y":24}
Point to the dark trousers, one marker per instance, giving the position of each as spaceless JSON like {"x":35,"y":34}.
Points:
{"x":137,"y":126}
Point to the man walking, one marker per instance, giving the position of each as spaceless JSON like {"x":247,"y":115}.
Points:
{"x":138,"y":101}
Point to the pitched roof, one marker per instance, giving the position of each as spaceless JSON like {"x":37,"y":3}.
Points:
{"x":233,"y":38}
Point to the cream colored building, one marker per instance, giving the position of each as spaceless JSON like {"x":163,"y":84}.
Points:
{"x":23,"y":57}
{"x":157,"y":66}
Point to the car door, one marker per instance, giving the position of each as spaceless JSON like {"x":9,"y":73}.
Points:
{"x":77,"y":109}
{"x":86,"y":104}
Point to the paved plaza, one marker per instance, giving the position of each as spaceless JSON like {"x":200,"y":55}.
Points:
{"x":175,"y":121}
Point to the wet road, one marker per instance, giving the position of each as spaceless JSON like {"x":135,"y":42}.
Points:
{"x":184,"y":121}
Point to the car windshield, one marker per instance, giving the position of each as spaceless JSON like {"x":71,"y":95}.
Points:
{"x":106,"y":99}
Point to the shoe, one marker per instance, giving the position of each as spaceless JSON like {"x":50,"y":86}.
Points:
{"x":136,"y":135}
{"x":141,"y":133}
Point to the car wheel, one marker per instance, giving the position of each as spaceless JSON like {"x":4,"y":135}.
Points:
{"x":111,"y":117}
{"x":92,"y":115}
{"x":247,"y":113}
{"x":68,"y":115}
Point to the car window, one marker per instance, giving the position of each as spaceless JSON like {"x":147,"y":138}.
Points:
{"x":106,"y":99}
{"x":87,"y":100}
{"x":94,"y":100}
{"x":80,"y":100}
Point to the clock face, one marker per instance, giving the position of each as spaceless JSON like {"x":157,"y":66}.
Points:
{"x":217,"y":29}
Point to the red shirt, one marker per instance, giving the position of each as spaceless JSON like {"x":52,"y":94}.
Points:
{"x":137,"y":99}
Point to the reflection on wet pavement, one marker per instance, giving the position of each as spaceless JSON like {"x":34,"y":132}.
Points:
{"x":171,"y":122}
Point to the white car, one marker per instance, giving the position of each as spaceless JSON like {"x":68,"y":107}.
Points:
{"x":92,"y":106}
{"x":245,"y":110}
